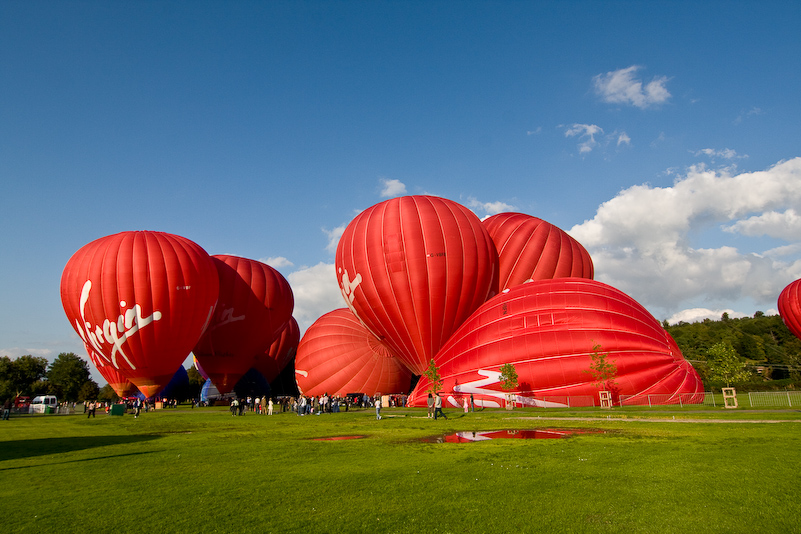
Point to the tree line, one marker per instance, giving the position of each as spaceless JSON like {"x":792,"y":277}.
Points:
{"x":756,"y":352}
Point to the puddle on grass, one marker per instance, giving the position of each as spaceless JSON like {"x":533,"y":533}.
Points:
{"x":543,"y":433}
{"x":337,"y":438}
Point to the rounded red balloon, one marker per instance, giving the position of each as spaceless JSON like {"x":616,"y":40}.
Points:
{"x":281,"y":351}
{"x":413,"y":269}
{"x":338,"y":355}
{"x":532,"y":249}
{"x":790,"y":307}
{"x":140,"y":301}
{"x":255,"y":303}
{"x":548,"y":330}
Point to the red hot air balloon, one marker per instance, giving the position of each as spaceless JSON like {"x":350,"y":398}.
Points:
{"x":255,"y":303}
{"x":280,"y":354}
{"x":140,"y":301}
{"x":790,"y":307}
{"x":338,"y":355}
{"x":532,"y":249}
{"x":413,"y":269}
{"x":548,"y":329}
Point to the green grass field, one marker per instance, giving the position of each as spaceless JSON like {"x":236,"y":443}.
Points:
{"x":203,"y":471}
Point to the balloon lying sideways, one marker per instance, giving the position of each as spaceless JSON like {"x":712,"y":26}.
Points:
{"x":549,"y":329}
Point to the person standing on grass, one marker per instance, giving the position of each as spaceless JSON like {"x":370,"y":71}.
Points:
{"x":378,"y":407}
{"x":430,"y":403}
{"x":270,"y":406}
{"x":465,"y":404}
{"x":6,"y":409}
{"x":438,"y":407}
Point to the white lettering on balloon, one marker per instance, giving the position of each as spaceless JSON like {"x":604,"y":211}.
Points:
{"x":478,"y":387}
{"x":348,"y":288}
{"x":226,"y":316}
{"x":115,"y":333}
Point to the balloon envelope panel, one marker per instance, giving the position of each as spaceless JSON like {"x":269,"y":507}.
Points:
{"x":338,"y":355}
{"x":548,"y":330}
{"x":140,"y":300}
{"x":532,"y":249}
{"x":281,"y":351}
{"x":255,"y":303}
{"x":790,"y":307}
{"x":413,"y":269}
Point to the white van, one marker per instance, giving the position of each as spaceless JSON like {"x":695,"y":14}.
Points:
{"x":42,"y":402}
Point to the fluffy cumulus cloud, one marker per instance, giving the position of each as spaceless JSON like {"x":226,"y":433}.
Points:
{"x":316,"y":292}
{"x":487,"y":209}
{"x":333,"y":237}
{"x":392,"y":188}
{"x":278,"y":262}
{"x":586,"y":134}
{"x":641,"y":240}
{"x":622,"y":87}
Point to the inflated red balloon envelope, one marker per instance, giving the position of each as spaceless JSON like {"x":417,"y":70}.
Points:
{"x":255,"y":303}
{"x":338,"y":355}
{"x":548,"y":330}
{"x":790,"y":307}
{"x":281,"y":351}
{"x":532,"y":249}
{"x":413,"y":269}
{"x":140,"y":301}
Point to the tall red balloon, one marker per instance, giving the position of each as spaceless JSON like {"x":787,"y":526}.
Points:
{"x":532,"y":249}
{"x":790,"y":307}
{"x":281,"y":351}
{"x":255,"y":303}
{"x":338,"y":355}
{"x":413,"y":269}
{"x":548,"y":330}
{"x":140,"y":300}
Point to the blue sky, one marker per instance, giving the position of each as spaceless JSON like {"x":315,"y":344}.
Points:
{"x":663,"y":135}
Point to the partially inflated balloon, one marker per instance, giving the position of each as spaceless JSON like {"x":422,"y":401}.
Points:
{"x":790,"y":307}
{"x":532,"y":249}
{"x":140,"y":300}
{"x":281,"y":351}
{"x":549,"y":330}
{"x":413,"y":269}
{"x":255,"y":303}
{"x":338,"y":355}
{"x":121,"y":385}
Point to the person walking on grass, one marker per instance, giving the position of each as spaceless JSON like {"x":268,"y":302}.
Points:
{"x":430,"y":403}
{"x":378,"y":407}
{"x":438,"y":407}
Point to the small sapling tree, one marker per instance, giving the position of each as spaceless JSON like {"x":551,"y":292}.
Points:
{"x":434,"y":379}
{"x":725,"y":365}
{"x":603,"y":372}
{"x":508,"y":381}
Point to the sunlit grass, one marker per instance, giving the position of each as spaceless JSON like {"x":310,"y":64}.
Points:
{"x":204,"y":471}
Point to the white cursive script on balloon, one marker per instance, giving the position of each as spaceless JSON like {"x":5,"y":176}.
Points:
{"x":115,"y":333}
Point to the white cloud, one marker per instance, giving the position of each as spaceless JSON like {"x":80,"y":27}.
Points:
{"x":277,"y":262}
{"x":333,"y":237}
{"x":621,"y":87}
{"x":316,"y":292}
{"x":623,"y":139}
{"x":392,"y":188}
{"x":640,"y":241}
{"x":695,"y":315}
{"x":536,"y":131}
{"x":586,"y":134}
{"x":486,"y":209}
{"x":782,"y":225}
{"x":726,"y":153}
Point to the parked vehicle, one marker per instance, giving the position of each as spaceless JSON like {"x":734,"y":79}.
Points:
{"x":44,"y":404}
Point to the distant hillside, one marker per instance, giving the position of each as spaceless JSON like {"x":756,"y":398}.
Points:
{"x":772,"y":352}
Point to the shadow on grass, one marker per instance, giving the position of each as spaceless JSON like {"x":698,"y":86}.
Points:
{"x":27,"y":448}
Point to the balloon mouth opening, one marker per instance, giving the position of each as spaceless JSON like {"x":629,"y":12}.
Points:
{"x":486,"y":435}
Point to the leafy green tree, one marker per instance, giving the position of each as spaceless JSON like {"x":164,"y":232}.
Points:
{"x":725,"y":365}
{"x":104,"y":394}
{"x":434,"y":379}
{"x":18,"y":376}
{"x":602,"y":370}
{"x":67,"y":375}
{"x":89,"y":391}
{"x":508,"y":377}
{"x":196,"y":382}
